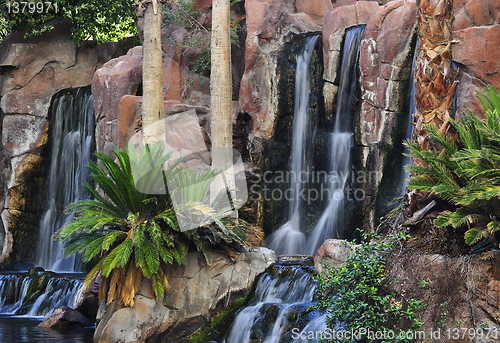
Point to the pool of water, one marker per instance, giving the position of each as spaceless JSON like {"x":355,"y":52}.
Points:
{"x":24,"y":330}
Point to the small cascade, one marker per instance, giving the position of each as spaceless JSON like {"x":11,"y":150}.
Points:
{"x":36,"y":294}
{"x":409,"y":126}
{"x":278,"y":310}
{"x":289,"y":239}
{"x":332,"y":219}
{"x":71,"y":136}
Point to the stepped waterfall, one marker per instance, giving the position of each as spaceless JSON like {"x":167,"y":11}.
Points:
{"x":332,"y":221}
{"x":280,"y":301}
{"x":284,"y":293}
{"x":289,"y":238}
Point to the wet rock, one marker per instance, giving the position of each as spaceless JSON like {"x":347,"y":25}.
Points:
{"x":87,"y":300}
{"x":64,"y":318}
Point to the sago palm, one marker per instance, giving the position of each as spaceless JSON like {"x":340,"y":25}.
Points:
{"x":465,"y":173}
{"x":132,"y":231}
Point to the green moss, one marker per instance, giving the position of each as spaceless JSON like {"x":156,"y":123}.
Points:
{"x":220,"y":323}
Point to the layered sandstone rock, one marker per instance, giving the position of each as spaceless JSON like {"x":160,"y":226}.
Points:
{"x":197,"y":293}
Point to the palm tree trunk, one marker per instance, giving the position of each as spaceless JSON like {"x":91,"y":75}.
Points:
{"x":152,"y":75}
{"x":435,"y":77}
{"x":220,"y":90}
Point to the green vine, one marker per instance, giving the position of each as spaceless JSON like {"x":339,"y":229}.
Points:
{"x":355,"y":298}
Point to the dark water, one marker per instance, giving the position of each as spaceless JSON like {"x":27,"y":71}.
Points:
{"x":24,"y":330}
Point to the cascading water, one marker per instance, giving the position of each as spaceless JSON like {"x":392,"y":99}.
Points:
{"x":71,"y":135}
{"x":289,"y":239}
{"x":280,"y":302}
{"x":409,"y":126}
{"x":35,"y":295}
{"x":332,"y":218}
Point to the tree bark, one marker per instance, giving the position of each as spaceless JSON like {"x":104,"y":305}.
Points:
{"x":435,"y":77}
{"x":221,"y":106}
{"x":152,"y":75}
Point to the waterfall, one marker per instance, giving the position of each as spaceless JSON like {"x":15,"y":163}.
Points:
{"x":289,"y":239}
{"x":409,"y":126}
{"x":280,"y":302}
{"x":71,"y":136}
{"x":332,"y":219}
{"x":35,"y":295}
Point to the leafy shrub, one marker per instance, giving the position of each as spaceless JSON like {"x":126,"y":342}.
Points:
{"x":131,"y":234}
{"x":353,"y":295}
{"x":100,"y":20}
{"x":465,"y":173}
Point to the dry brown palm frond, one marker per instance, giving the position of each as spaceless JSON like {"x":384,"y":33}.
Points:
{"x":114,"y":284}
{"x":132,"y":282}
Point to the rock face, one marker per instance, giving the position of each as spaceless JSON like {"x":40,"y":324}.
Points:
{"x":385,"y":63}
{"x":336,"y":23}
{"x":31,"y":72}
{"x":64,"y":318}
{"x":476,"y":31}
{"x":197,"y":292}
{"x":270,"y":24}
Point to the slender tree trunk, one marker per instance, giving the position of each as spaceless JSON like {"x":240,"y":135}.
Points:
{"x":220,"y":90}
{"x":152,"y":75}
{"x":435,"y":77}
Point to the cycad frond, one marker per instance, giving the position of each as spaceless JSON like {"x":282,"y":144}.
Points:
{"x":466,"y":174}
{"x":133,"y":232}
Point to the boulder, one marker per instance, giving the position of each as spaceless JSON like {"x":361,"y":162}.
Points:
{"x":332,"y":252}
{"x":87,"y":300}
{"x":65,"y":318}
{"x":197,"y":293}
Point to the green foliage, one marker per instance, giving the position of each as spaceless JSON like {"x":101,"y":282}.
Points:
{"x":184,"y":13}
{"x":132,"y":231}
{"x":99,"y":20}
{"x":353,"y":295}
{"x":465,"y":173}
